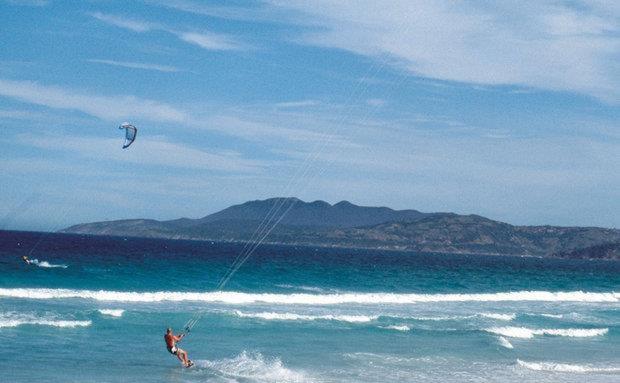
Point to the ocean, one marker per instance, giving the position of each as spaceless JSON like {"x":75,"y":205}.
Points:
{"x":94,"y":309}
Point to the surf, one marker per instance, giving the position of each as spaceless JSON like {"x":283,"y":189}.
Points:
{"x":528,"y":333}
{"x":304,"y":317}
{"x":563,"y":367}
{"x":8,"y":320}
{"x":237,"y":298}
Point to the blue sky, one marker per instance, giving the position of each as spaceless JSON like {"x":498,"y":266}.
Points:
{"x":506,"y":110}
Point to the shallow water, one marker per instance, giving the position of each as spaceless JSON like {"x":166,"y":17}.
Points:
{"x":297,"y":314}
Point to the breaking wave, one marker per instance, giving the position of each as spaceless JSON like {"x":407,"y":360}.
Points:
{"x":403,"y":328}
{"x":527,"y":333}
{"x":15,"y":320}
{"x":303,"y":317}
{"x":305,"y":288}
{"x":254,"y":367}
{"x":504,"y":317}
{"x":505,"y":343}
{"x":231,"y":297}
{"x":561,"y":367}
{"x":112,"y":312}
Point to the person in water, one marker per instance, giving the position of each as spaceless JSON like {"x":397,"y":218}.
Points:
{"x":171,"y":345}
{"x":25,"y":258}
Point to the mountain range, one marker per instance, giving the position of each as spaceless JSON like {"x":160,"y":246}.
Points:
{"x":344,"y":224}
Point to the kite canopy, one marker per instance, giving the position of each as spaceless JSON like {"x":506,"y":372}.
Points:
{"x":130,"y":133}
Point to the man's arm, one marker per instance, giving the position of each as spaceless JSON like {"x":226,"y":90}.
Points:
{"x":178,"y":338}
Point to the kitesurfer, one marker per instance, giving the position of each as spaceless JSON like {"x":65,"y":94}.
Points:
{"x":25,"y":258}
{"x":171,"y":345}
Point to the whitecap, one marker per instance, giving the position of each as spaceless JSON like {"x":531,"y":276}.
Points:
{"x":555,"y":316}
{"x":527,"y":333}
{"x":504,"y":317}
{"x":303,"y":288}
{"x":303,"y":317}
{"x":18,"y":319}
{"x":562,"y":367}
{"x":505,"y":343}
{"x":231,"y":297}
{"x":403,"y":328}
{"x":112,"y":312}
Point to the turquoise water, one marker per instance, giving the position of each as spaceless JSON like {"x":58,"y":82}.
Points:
{"x":94,"y":309}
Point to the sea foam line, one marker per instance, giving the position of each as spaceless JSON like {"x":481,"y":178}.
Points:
{"x":231,"y":297}
{"x":302,"y":317}
{"x":528,"y":333}
{"x":15,"y":320}
{"x":562,"y":367}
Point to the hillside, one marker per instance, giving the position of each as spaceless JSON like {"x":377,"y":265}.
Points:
{"x":603,"y":251}
{"x":347,"y":225}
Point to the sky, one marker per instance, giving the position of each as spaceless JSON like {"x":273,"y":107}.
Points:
{"x":510,"y":110}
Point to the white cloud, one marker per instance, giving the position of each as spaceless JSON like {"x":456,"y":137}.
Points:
{"x":135,"y":65}
{"x":376,"y":102}
{"x":29,"y":3}
{"x":109,"y":108}
{"x":152,"y":151}
{"x":297,"y":104}
{"x":529,"y":43}
{"x":123,"y":22}
{"x":115,"y":108}
{"x":205,"y":40}
{"x":210,"y":41}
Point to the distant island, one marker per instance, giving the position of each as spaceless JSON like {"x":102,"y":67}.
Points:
{"x":344,"y":224}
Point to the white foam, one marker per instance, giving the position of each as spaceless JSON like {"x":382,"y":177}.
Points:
{"x":254,"y":367}
{"x":402,"y":328}
{"x":527,"y":333}
{"x":439,"y":318}
{"x":302,"y":287}
{"x":46,"y":264}
{"x":555,"y":316}
{"x":302,"y":317}
{"x":15,"y":320}
{"x":504,"y":317}
{"x":562,"y":367}
{"x":112,"y":312}
{"x":505,"y":343}
{"x":230,"y":297}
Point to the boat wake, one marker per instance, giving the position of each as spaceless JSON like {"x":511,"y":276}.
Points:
{"x":46,"y":264}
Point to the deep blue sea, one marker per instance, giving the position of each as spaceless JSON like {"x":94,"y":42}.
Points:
{"x":94,"y":309}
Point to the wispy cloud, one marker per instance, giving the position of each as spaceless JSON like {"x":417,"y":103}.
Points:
{"x":560,"y":46}
{"x":123,"y":22}
{"x":124,"y":107}
{"x":255,"y":12}
{"x":29,"y":3}
{"x":108,"y":108}
{"x":156,"y":151}
{"x":376,"y":102}
{"x":205,"y":40}
{"x":136,"y":65}
{"x":210,"y":41}
{"x":297,"y":104}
